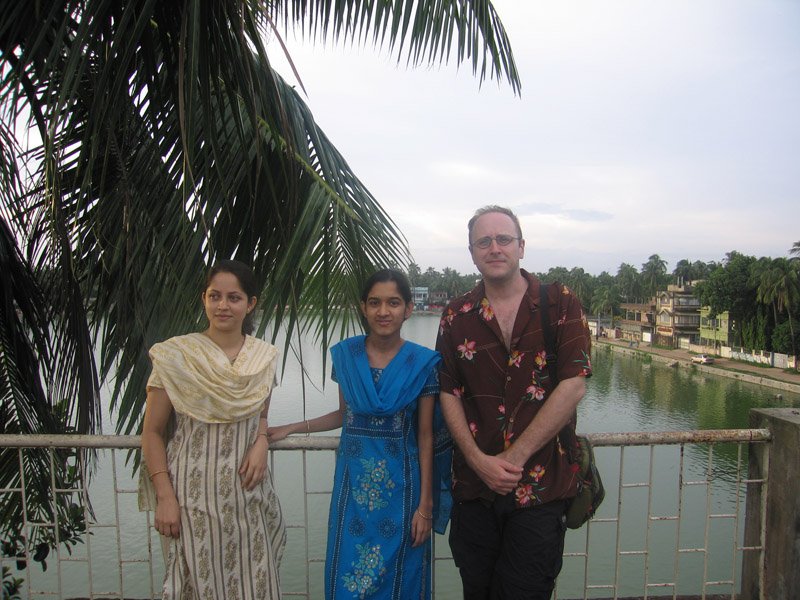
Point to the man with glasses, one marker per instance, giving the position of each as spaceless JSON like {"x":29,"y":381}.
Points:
{"x":514,"y":467}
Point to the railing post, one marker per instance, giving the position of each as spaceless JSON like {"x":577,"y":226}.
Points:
{"x":777,"y":527}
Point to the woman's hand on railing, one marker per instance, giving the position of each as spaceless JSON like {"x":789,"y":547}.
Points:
{"x":280,"y":432}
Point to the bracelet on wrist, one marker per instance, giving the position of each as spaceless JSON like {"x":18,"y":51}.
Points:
{"x":426,"y":517}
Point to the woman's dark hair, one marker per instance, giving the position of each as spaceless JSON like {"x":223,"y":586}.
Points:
{"x":383,"y":276}
{"x":247,"y":281}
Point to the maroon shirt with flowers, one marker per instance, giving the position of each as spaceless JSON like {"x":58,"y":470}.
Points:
{"x":502,"y":391}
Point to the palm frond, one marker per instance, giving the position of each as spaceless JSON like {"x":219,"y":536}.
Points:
{"x":425,"y":32}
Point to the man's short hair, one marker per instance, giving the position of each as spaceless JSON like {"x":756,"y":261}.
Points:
{"x":493,"y":208}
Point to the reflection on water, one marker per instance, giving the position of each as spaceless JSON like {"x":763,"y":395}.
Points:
{"x":624,"y":394}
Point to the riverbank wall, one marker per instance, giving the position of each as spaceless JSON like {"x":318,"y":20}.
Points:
{"x":675,"y":358}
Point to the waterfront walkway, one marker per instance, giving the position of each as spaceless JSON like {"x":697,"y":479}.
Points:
{"x":764,"y":375}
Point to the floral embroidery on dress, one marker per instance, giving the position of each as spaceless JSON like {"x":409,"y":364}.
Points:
{"x":195,"y":483}
{"x":515,"y":358}
{"x":367,"y":571}
{"x":198,"y":443}
{"x":357,"y":527}
{"x":226,"y":482}
{"x":228,"y":524}
{"x":204,"y":563}
{"x":261,"y":583}
{"x":458,"y":392}
{"x":466,"y":307}
{"x":372,"y":484}
{"x":259,"y":544}
{"x":393,"y":447}
{"x":537,"y":472}
{"x":199,"y":523}
{"x":397,"y":420}
{"x":473,"y":428}
{"x":467,"y":349}
{"x":226,"y":446}
{"x":231,"y":554}
{"x":387,"y":528}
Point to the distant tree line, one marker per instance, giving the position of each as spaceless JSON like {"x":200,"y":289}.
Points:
{"x":761,"y":295}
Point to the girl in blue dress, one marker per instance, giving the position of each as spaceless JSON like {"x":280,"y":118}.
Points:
{"x":391,"y":485}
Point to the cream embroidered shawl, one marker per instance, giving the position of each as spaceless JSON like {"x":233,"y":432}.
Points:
{"x":201,"y":382}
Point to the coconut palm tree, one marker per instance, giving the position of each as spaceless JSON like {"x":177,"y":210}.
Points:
{"x":605,"y":300}
{"x":160,"y":139}
{"x":683,"y":271}
{"x":652,"y":274}
{"x":778,"y":282}
{"x":794,"y":251}
{"x":629,"y":282}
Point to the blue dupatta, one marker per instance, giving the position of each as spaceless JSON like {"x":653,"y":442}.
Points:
{"x":400,"y":384}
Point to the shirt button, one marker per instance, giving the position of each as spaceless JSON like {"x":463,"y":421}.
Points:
{"x":508,"y":378}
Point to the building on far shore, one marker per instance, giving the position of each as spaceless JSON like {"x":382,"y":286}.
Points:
{"x":715,"y":332}
{"x":637,"y":321}
{"x":677,"y":317}
{"x":419,"y":296}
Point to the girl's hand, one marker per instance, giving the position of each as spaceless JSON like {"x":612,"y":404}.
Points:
{"x":168,"y":517}
{"x":420,"y":528}
{"x":254,"y":465}
{"x":279,"y":433}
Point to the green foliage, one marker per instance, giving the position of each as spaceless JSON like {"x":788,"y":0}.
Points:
{"x":168,"y":142}
{"x":11,"y":585}
{"x":449,"y":280}
{"x":755,"y":330}
{"x":605,"y":300}
{"x":629,"y":283}
{"x":729,"y":287}
{"x":786,"y":337}
{"x":654,"y":274}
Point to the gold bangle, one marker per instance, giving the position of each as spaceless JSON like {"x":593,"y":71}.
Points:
{"x":426,"y":517}
{"x":265,"y":434}
{"x":156,"y":473}
{"x":308,"y":428}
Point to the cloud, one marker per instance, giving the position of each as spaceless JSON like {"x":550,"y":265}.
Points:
{"x":667,"y":126}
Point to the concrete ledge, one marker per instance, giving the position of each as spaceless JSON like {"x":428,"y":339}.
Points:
{"x":772,"y":518}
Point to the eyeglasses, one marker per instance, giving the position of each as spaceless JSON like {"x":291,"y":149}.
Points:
{"x":502,"y":240}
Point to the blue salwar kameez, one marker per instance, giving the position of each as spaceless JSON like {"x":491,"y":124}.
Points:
{"x":377,"y":481}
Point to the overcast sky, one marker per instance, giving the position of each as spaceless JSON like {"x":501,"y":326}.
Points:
{"x":644,"y":127}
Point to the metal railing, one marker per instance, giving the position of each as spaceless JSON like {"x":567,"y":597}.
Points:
{"x":671,"y":524}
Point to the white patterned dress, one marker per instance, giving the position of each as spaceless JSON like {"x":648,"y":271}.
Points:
{"x":231,"y":539}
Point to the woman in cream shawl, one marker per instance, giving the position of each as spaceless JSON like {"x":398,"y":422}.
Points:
{"x":214,"y":500}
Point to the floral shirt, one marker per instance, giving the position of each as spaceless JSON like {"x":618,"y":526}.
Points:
{"x":502,"y":390}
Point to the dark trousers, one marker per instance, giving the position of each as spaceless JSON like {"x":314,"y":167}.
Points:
{"x":507,"y":553}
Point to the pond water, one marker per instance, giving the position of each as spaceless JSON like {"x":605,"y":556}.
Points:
{"x":624,"y":394}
